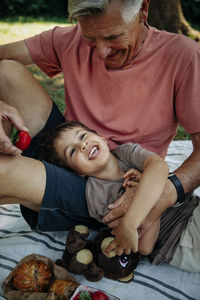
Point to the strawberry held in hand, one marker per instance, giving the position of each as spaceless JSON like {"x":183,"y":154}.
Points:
{"x":23,"y":140}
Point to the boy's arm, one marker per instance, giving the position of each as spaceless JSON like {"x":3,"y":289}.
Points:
{"x":148,"y":192}
{"x":148,"y":239}
{"x":149,"y":189}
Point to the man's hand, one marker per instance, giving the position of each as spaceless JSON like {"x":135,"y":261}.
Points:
{"x":9,"y":114}
{"x":121,"y":205}
{"x":119,"y":208}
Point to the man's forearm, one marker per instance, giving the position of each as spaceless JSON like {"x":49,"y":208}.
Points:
{"x":189,"y":172}
{"x":148,"y":239}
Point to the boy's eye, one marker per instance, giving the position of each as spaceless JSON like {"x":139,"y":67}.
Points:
{"x":72,"y":152}
{"x":82,"y":136}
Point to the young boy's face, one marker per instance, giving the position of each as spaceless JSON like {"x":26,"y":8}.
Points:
{"x":84,"y":151}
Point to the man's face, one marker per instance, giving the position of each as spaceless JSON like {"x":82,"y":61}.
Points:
{"x":115,"y":40}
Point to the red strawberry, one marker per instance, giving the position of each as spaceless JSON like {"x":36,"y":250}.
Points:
{"x":23,"y":140}
{"x":98,"y":295}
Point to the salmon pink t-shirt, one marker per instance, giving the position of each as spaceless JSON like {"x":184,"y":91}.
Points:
{"x":140,"y":104}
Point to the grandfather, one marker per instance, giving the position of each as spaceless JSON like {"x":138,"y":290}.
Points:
{"x":123,"y":78}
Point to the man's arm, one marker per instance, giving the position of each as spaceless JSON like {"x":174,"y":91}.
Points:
{"x":188,"y":174}
{"x":148,"y":239}
{"x":16,"y":51}
{"x":12,"y":55}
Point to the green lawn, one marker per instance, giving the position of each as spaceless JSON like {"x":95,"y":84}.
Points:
{"x":15,"y":30}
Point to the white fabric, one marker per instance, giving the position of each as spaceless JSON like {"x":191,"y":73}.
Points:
{"x":150,"y":282}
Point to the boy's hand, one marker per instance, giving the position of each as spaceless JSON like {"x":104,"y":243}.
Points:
{"x":126,"y":240}
{"x":132,"y":177}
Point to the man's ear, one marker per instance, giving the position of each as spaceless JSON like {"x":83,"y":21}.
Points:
{"x":144,"y":11}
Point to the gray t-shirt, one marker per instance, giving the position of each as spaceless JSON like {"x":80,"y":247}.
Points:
{"x":100,"y":193}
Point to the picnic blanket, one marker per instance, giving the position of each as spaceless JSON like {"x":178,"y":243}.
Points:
{"x":150,"y":282}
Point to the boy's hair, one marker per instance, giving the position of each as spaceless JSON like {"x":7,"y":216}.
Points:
{"x":47,"y":143}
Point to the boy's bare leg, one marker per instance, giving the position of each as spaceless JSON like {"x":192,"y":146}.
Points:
{"x":23,"y":181}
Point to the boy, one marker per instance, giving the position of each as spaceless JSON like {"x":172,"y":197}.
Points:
{"x":74,"y":146}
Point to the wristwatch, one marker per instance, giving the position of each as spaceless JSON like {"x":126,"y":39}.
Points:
{"x":179,"y":188}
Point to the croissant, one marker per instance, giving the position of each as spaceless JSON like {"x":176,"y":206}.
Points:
{"x":32,"y":276}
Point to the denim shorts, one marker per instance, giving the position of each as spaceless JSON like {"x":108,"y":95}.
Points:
{"x":64,"y":204}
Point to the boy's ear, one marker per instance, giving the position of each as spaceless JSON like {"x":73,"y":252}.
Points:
{"x":104,"y":139}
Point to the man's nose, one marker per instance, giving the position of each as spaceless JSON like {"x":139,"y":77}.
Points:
{"x":103,"y":49}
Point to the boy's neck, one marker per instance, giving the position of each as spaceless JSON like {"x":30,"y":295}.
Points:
{"x":112,"y":170}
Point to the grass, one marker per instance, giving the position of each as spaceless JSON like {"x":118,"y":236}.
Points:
{"x":15,"y":29}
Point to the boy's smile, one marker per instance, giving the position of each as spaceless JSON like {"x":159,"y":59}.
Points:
{"x":93,"y":152}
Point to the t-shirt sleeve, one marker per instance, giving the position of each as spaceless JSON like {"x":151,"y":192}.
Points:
{"x":48,"y":48}
{"x":187,"y":100}
{"x":132,"y":155}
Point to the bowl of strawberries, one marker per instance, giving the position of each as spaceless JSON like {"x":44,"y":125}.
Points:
{"x":84,"y":292}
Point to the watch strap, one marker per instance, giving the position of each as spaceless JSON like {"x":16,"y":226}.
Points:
{"x":179,"y":188}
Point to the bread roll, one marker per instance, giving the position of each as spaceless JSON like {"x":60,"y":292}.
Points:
{"x":63,"y":288}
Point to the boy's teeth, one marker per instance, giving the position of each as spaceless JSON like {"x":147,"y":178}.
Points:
{"x":93,"y":152}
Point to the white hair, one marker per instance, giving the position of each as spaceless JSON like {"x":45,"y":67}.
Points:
{"x":81,"y":8}
{"x":131,"y":10}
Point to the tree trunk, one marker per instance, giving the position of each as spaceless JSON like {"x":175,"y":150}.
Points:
{"x":168,"y":15}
